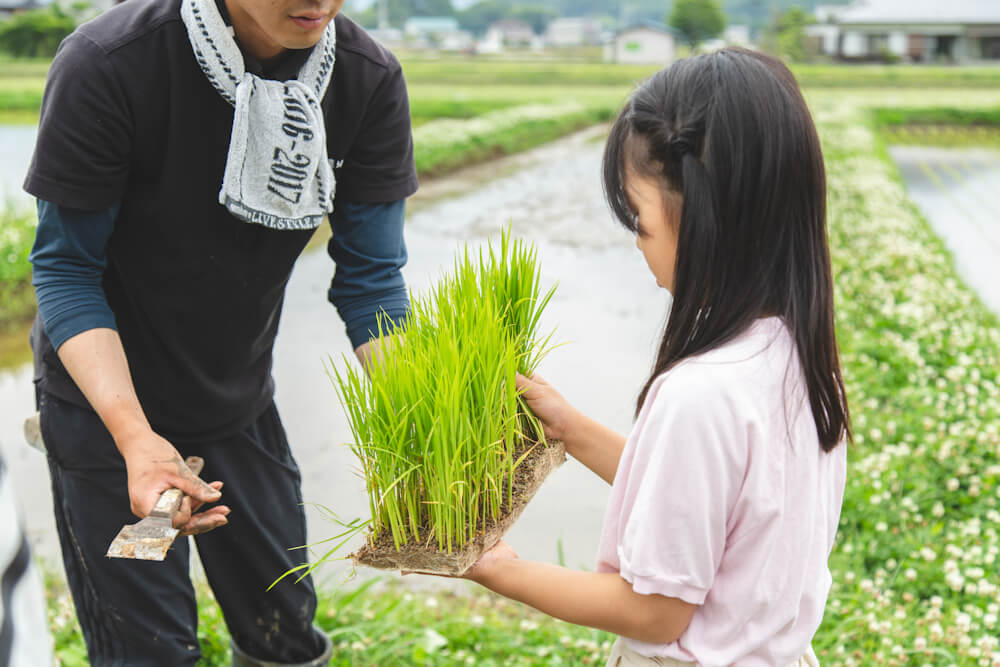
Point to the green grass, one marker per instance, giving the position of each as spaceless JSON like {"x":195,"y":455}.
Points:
{"x":896,"y":76}
{"x":438,"y":425}
{"x":470,"y":71}
{"x":23,"y":67}
{"x":454,"y":105}
{"x":17,"y":232}
{"x":939,"y":126}
{"x":444,"y":145}
{"x":936,"y":116}
{"x":382,"y":624}
{"x":17,"y":298}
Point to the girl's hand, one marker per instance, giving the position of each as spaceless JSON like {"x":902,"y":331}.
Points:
{"x":489,"y":563}
{"x":555,"y":413}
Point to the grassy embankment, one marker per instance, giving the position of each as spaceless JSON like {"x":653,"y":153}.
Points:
{"x":939,"y":126}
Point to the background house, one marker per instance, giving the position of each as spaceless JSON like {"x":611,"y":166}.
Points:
{"x":434,"y":31}
{"x":642,"y":44}
{"x":11,"y":7}
{"x":573,"y":31}
{"x":511,"y":32}
{"x":955,"y":31}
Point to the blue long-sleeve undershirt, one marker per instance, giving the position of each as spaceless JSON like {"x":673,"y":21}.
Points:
{"x":68,"y":260}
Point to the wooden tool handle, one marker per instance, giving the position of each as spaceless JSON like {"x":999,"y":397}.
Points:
{"x":170,"y":500}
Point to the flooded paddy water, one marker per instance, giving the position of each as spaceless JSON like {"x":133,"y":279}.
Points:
{"x":958,"y":191}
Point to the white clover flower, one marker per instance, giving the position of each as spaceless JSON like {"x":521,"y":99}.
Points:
{"x":963,"y":621}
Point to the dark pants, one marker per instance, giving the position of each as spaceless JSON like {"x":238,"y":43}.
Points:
{"x":144,"y":613}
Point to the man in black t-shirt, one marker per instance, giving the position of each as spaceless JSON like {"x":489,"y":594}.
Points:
{"x":185,"y":152}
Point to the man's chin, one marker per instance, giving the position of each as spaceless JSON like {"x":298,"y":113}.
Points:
{"x":299,"y":37}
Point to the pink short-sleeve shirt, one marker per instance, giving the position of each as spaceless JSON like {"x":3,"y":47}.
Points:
{"x":724,"y":499}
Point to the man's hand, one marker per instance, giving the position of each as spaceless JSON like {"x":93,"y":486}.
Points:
{"x":154,"y":466}
{"x":373,"y":348}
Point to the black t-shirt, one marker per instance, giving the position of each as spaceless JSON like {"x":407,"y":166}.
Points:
{"x":129,"y":117}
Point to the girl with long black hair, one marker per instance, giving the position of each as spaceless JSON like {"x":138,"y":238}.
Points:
{"x":727,"y":493}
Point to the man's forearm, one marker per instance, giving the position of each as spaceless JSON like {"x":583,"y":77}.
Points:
{"x":96,"y":361}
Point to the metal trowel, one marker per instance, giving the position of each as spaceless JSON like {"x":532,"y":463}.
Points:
{"x":153,"y":536}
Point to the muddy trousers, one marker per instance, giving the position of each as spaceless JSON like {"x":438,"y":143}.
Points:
{"x":141,"y":613}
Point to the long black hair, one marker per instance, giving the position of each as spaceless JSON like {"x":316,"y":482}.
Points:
{"x":731,"y":132}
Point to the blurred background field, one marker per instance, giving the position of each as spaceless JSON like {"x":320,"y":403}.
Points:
{"x":915,"y":237}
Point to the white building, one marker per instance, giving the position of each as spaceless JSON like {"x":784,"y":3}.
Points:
{"x":573,"y":31}
{"x":11,"y":7}
{"x":956,"y":31}
{"x":430,"y":26}
{"x":511,"y":32}
{"x":737,"y":35}
{"x":642,"y":44}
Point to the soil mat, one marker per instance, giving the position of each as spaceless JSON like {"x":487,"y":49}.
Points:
{"x":426,"y":557}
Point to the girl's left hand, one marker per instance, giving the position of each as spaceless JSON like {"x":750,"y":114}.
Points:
{"x":490,"y":562}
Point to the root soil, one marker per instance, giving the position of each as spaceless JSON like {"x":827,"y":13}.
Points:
{"x":427,"y":556}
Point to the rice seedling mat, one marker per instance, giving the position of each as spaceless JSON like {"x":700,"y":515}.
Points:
{"x":428,"y":558}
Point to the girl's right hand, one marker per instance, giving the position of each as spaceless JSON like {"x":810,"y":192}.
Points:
{"x":555,"y":413}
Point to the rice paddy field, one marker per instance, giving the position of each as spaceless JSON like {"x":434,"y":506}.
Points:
{"x":915,"y":571}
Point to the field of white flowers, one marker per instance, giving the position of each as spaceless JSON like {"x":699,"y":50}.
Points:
{"x":915,"y":570}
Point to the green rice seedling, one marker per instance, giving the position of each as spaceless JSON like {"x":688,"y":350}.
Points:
{"x":439,"y":426}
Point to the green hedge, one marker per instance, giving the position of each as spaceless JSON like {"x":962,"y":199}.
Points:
{"x":36,"y":33}
{"x":937,"y":116}
{"x":17,"y":233}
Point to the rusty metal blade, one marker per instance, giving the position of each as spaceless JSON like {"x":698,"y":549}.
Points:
{"x":150,"y":539}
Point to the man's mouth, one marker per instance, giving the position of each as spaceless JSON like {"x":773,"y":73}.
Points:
{"x":310,"y":20}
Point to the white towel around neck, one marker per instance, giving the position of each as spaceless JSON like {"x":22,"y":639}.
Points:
{"x":277,"y":173}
